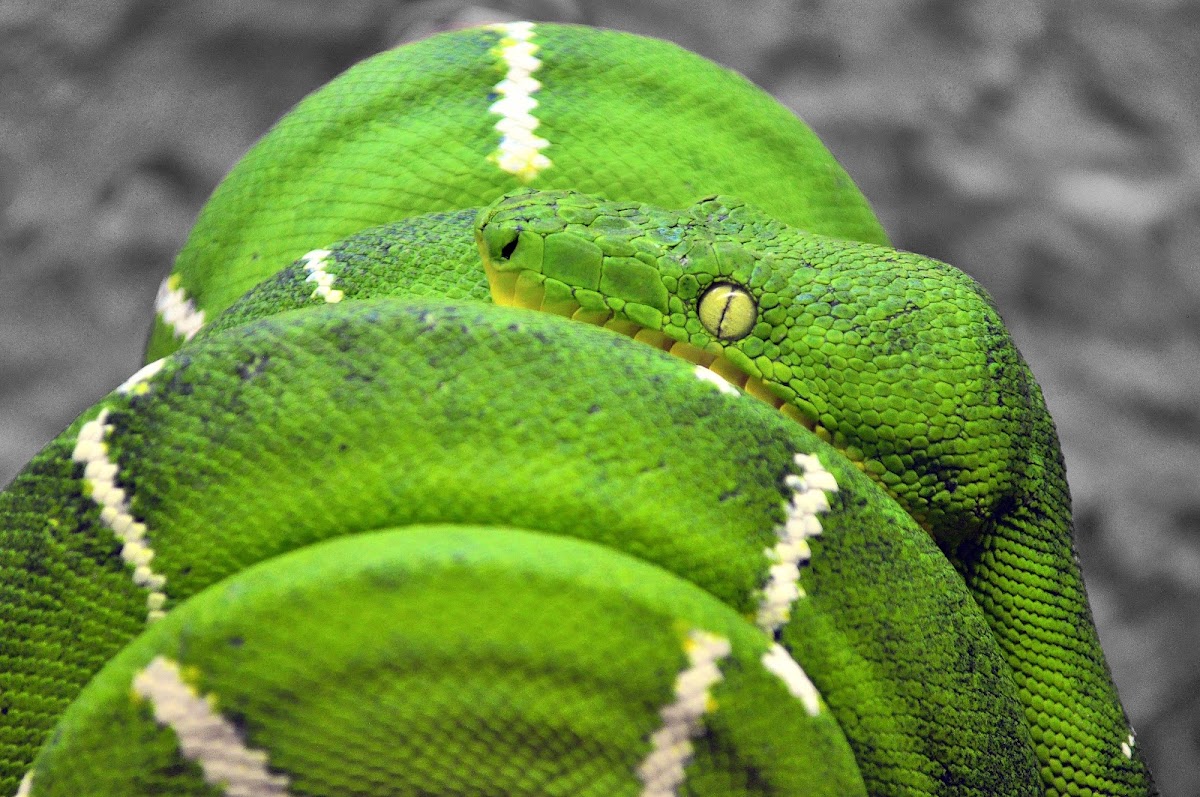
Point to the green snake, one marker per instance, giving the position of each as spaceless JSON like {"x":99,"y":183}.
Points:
{"x":731,"y":499}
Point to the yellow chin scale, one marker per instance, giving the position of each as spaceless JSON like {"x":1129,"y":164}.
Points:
{"x":524,"y":289}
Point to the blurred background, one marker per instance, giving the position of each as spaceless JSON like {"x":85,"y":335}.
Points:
{"x":1051,"y":150}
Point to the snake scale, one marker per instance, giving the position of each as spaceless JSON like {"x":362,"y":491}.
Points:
{"x":593,"y":443}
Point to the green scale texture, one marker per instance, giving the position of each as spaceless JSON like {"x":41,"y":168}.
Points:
{"x":431,"y":421}
{"x":515,"y":484}
{"x":905,"y":364}
{"x":316,"y":651}
{"x":409,"y":131}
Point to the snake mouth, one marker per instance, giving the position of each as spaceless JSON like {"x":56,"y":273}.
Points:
{"x":509,"y":289}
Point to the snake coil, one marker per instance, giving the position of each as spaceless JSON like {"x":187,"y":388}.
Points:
{"x":794,"y":523}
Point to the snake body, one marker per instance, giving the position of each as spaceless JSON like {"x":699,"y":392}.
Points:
{"x":358,"y":529}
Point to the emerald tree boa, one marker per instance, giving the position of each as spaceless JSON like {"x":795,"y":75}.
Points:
{"x":594,"y":442}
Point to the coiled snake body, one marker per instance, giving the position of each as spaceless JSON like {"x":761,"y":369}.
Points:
{"x":801,"y":527}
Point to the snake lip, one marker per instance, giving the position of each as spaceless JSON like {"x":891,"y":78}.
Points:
{"x":514,"y":292}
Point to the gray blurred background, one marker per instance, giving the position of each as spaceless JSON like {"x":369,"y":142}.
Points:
{"x":1050,"y":150}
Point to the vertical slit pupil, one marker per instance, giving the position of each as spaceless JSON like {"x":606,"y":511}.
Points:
{"x":722,"y":329}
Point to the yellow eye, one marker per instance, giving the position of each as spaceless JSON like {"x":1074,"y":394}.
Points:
{"x":728,"y":311}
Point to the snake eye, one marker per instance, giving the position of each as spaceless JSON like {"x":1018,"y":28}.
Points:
{"x":728,"y":311}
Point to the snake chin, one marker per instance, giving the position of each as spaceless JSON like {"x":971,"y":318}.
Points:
{"x":512,"y":291}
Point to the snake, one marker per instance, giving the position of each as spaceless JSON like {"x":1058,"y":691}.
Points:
{"x":541,"y":410}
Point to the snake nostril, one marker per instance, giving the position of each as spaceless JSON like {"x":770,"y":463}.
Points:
{"x":507,"y":250}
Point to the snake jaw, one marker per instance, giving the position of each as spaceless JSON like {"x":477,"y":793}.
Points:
{"x":513,"y":286}
{"x":520,"y":288}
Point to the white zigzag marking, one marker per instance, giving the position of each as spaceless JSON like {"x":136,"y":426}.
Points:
{"x":177,"y":310}
{"x":662,"y":772}
{"x":314,"y":264}
{"x":808,"y":500}
{"x":101,"y":476}
{"x":205,"y":736}
{"x":781,"y":663}
{"x":519,"y":152}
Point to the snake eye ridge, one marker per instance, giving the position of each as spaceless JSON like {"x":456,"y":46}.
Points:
{"x":727,"y":311}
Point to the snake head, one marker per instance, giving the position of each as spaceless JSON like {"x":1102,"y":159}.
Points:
{"x":898,"y":360}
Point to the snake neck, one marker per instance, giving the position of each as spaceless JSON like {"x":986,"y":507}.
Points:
{"x":1026,"y":577}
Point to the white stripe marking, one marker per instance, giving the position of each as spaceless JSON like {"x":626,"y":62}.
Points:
{"x":792,"y":552}
{"x":1127,"y":747}
{"x":662,"y":772}
{"x":519,"y":151}
{"x":136,"y":383}
{"x":781,"y":663}
{"x":177,"y":310}
{"x":205,"y":736}
{"x":723,"y":384}
{"x":314,"y":264}
{"x":26,"y":785}
{"x":101,"y":476}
